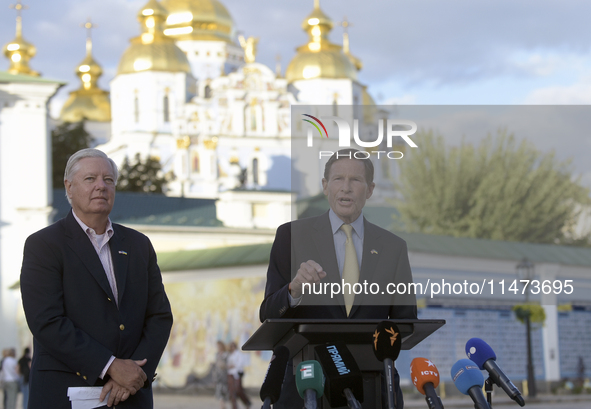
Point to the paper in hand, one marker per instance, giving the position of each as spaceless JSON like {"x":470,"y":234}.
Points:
{"x":87,"y":397}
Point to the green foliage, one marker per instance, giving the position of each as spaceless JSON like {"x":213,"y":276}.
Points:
{"x":141,"y":176}
{"x":66,"y":139}
{"x":501,"y":190}
{"x":537,"y":314}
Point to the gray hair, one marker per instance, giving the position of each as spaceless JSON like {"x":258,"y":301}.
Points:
{"x":73,"y":164}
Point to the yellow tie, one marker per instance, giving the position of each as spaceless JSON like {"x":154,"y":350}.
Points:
{"x":351,"y":267}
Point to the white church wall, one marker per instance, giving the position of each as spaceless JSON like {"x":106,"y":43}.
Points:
{"x":25,"y":186}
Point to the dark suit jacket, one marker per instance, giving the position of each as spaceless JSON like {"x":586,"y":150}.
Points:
{"x":73,"y":317}
{"x":384,"y":261}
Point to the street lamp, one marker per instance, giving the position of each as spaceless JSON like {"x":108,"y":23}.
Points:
{"x":525,"y":271}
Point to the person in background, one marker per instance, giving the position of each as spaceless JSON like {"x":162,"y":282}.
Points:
{"x":4,"y":355}
{"x":10,"y":379}
{"x":220,"y":374}
{"x":24,"y":369}
{"x":235,"y":367}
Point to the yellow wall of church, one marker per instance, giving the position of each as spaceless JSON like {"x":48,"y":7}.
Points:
{"x":204,"y":312}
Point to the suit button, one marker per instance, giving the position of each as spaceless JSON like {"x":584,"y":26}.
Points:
{"x":78,"y":373}
{"x":109,"y":299}
{"x":121,"y":327}
{"x":84,"y":377}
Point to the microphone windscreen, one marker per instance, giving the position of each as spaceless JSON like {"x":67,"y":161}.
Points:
{"x":274,"y":379}
{"x":479,"y":352}
{"x":309,"y":376}
{"x":423,"y":371}
{"x":387,"y":341}
{"x":465,"y":375}
{"x":341,"y":372}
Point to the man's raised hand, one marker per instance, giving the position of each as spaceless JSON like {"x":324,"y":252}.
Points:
{"x":309,"y":272}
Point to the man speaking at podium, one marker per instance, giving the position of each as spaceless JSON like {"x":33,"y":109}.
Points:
{"x":337,"y":247}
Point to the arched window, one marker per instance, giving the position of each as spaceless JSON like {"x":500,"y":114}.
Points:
{"x":255,"y":171}
{"x":207,"y":92}
{"x":166,"y":107}
{"x":136,"y":109}
{"x":196,"y":164}
{"x":253,"y":118}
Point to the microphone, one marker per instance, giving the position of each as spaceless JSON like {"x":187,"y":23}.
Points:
{"x":425,"y":377}
{"x":469,"y":380}
{"x":271,"y":388}
{"x":387,"y":343}
{"x":310,"y":382}
{"x":484,"y":356}
{"x":343,"y":377}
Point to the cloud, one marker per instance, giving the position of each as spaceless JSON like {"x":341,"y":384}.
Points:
{"x":406,"y":99}
{"x":428,"y":44}
{"x":573,"y":94}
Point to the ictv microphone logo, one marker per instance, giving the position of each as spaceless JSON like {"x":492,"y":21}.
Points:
{"x":392,"y":130}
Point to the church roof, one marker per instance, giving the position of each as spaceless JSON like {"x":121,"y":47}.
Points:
{"x":19,"y":51}
{"x":5,"y":76}
{"x":251,"y":254}
{"x":417,"y":242}
{"x":202,"y":20}
{"x":319,"y":58}
{"x":316,"y":205}
{"x":152,"y":50}
{"x":89,"y":101}
{"x":151,"y":209}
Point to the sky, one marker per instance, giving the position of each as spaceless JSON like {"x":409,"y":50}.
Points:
{"x":414,"y":52}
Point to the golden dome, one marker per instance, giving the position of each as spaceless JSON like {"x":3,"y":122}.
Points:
{"x":152,"y":50}
{"x":93,"y":105}
{"x":19,"y":51}
{"x":205,"y":20}
{"x":89,"y":101}
{"x":319,"y":58}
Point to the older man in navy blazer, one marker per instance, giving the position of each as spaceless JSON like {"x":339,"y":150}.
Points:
{"x":93,"y":297}
{"x":314,"y":251}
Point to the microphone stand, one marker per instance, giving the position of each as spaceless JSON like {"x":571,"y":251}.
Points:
{"x":488,"y":387}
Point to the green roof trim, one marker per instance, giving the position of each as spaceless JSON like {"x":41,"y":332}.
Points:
{"x":215,"y":257}
{"x":381,"y":215}
{"x":497,"y":249}
{"x":8,"y":77}
{"x":417,"y":242}
{"x":151,"y":209}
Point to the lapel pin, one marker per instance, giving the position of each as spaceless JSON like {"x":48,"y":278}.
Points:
{"x":123,"y":252}
{"x":373,"y":251}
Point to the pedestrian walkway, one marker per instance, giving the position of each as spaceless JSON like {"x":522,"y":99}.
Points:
{"x":176,"y":401}
{"x":168,"y":400}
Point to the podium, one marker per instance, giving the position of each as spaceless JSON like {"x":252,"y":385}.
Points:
{"x":300,"y":336}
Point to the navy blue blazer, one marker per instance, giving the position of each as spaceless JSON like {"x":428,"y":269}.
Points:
{"x":384,"y":261}
{"x":72,"y":314}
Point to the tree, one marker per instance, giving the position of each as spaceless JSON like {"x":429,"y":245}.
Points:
{"x":499,"y":190}
{"x":141,"y":176}
{"x":66,"y":139}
